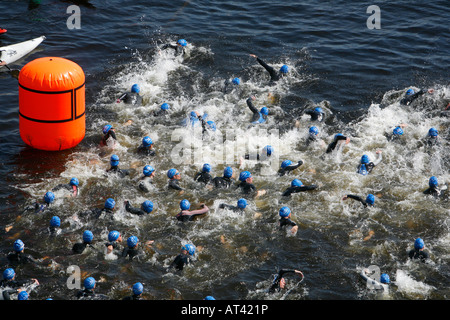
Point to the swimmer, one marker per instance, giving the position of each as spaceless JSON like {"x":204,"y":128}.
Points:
{"x":279,"y":282}
{"x":146,"y":148}
{"x":366,"y":166}
{"x":109,"y":136}
{"x":114,"y":162}
{"x":411,"y":95}
{"x":285,"y":220}
{"x":55,"y":226}
{"x":432,"y":139}
{"x":195,"y":119}
{"x":297,"y":186}
{"x":258,"y":116}
{"x":107,"y":210}
{"x":338,"y":139}
{"x":241,"y":205}
{"x":72,"y":187}
{"x":162,"y":111}
{"x":184,"y":258}
{"x":434,"y":188}
{"x":79,"y":247}
{"x":179,"y":47}
{"x":274,"y":75}
{"x":368,"y":202}
{"x":174,"y":182}
{"x":114,"y":238}
{"x":131,"y":97}
{"x":89,"y":287}
{"x":418,"y":251}
{"x":316,"y":115}
{"x":186,"y":215}
{"x":397,"y":132}
{"x":381,"y":284}
{"x":132,"y":250}
{"x":49,"y":198}
{"x":313,"y":137}
{"x":246,"y":185}
{"x":9,"y":281}
{"x":18,"y":256}
{"x":225,"y":181}
{"x":231,"y":85}
{"x":146,"y":208}
{"x":204,"y":176}
{"x":147,"y":179}
{"x":137,"y":289}
{"x":287,"y":166}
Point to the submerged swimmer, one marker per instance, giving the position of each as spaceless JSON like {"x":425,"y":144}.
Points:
{"x":179,"y":47}
{"x":147,"y":179}
{"x":258,"y":116}
{"x":38,"y":207}
{"x":274,"y":75}
{"x":184,"y":258}
{"x":226,"y":180}
{"x":297,"y":186}
{"x":366,"y":166}
{"x":131,"y":97}
{"x":72,"y":187}
{"x":146,"y":208}
{"x":204,"y":176}
{"x":241,"y":205}
{"x":338,"y":140}
{"x":434,"y":189}
{"x":109,"y":135}
{"x":146,"y":147}
{"x":114,"y":162}
{"x":285,"y":220}
{"x":368,"y":202}
{"x":411,"y":95}
{"x":186,"y":215}
{"x":287,"y":166}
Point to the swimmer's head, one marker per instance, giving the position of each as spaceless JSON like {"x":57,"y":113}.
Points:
{"x":397,"y":131}
{"x":113,"y":235}
{"x":49,"y":197}
{"x":242,"y":203}
{"x":318,"y":110}
{"x":89,"y":283}
{"x":132,"y":242}
{"x":284,"y":212}
{"x":268,"y":150}
{"x":135,"y":88}
{"x":185,"y":204}
{"x":236,"y":81}
{"x":264,"y":111}
{"x":314,"y":131}
{"x":206,"y":168}
{"x":284,"y":69}
{"x":172,"y":173}
{"x":138,"y":288}
{"x":110,"y":203}
{"x":228,"y":172}
{"x":106,"y":128}
{"x":244,"y":175}
{"x":211,"y":125}
{"x":433,"y":182}
{"x":296,"y":183}
{"x":114,"y":160}
{"x":433,"y":132}
{"x":148,"y":170}
{"x":190,"y":248}
{"x":165,"y":106}
{"x":74,"y":182}
{"x":147,"y":141}
{"x":55,"y":221}
{"x":365,"y":159}
{"x":182,"y":43}
{"x":419,"y":244}
{"x":88,"y":236}
{"x":384,"y":278}
{"x":147,"y":206}
{"x":286,"y":163}
{"x":370,"y":200}
{"x":409,"y":92}
{"x":18,"y":245}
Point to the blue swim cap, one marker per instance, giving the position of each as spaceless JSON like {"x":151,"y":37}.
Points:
{"x":209,"y":298}
{"x":88,"y":236}
{"x":242,"y":203}
{"x":147,"y":205}
{"x":165,"y":106}
{"x":370,"y":199}
{"x":211,"y":125}
{"x":318,"y":110}
{"x":433,"y":132}
{"x":244,"y":175}
{"x":18,"y":245}
{"x":148,"y":170}
{"x":264,"y":111}
{"x":185,"y":204}
{"x":268,"y":150}
{"x":114,"y":160}
{"x":398,"y":131}
{"x":138,"y":288}
{"x":74,"y":182}
{"x":193,"y":115}
{"x":23,"y":295}
{"x":314,"y":131}
{"x":284,"y":69}
{"x":206,"y":167}
{"x":55,"y":221}
{"x":419,"y":244}
{"x":132,"y":241}
{"x":433,"y":182}
{"x":89,"y":283}
{"x":106,"y":128}
{"x":228,"y":172}
{"x":384,"y":278}
{"x":49,"y":197}
{"x":113,"y":235}
{"x":182,"y":42}
{"x":296,"y":183}
{"x":286,"y":163}
{"x":190,"y":248}
{"x":8,"y":274}
{"x":172,"y":173}
{"x":110,"y":203}
{"x":285,"y":212}
{"x":147,"y":141}
{"x":135,"y":88}
{"x":365,"y":159}
{"x":409,"y":92}
{"x":236,"y":81}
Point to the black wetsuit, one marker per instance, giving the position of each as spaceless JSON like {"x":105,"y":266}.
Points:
{"x":257,"y":116}
{"x":179,"y":50}
{"x":274,"y":75}
{"x":131,"y":98}
{"x":14,"y":285}
{"x":204,"y":177}
{"x":133,"y":297}
{"x":296,"y":189}
{"x":16,"y":258}
{"x":408,"y":99}
{"x":180,"y":261}
{"x":120,"y":172}
{"x":86,"y":293}
{"x":286,"y":222}
{"x":174,"y":184}
{"x":334,"y":143}
{"x":113,"y":244}
{"x":432,"y":141}
{"x":315,"y":115}
{"x":8,"y":292}
{"x":283,"y":171}
{"x":145,"y":151}
{"x":160,"y":112}
{"x":105,"y":137}
{"x":222,"y":182}
{"x":186,"y":215}
{"x":358,"y":198}
{"x":72,"y":189}
{"x":132,"y":253}
{"x":232,"y":208}
{"x":418,"y":254}
{"x":247,"y":188}
{"x":434,"y":191}
{"x":275,"y":287}
{"x":78,"y":248}
{"x":134,"y":210}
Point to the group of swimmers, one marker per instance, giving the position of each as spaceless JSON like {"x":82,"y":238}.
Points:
{"x":204,"y":176}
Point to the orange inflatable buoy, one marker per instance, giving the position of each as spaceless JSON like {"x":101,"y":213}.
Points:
{"x":52,"y":104}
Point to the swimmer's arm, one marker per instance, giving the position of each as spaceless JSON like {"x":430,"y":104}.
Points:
{"x":250,"y":104}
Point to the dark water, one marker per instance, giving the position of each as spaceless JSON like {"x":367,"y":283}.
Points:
{"x":356,"y":73}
